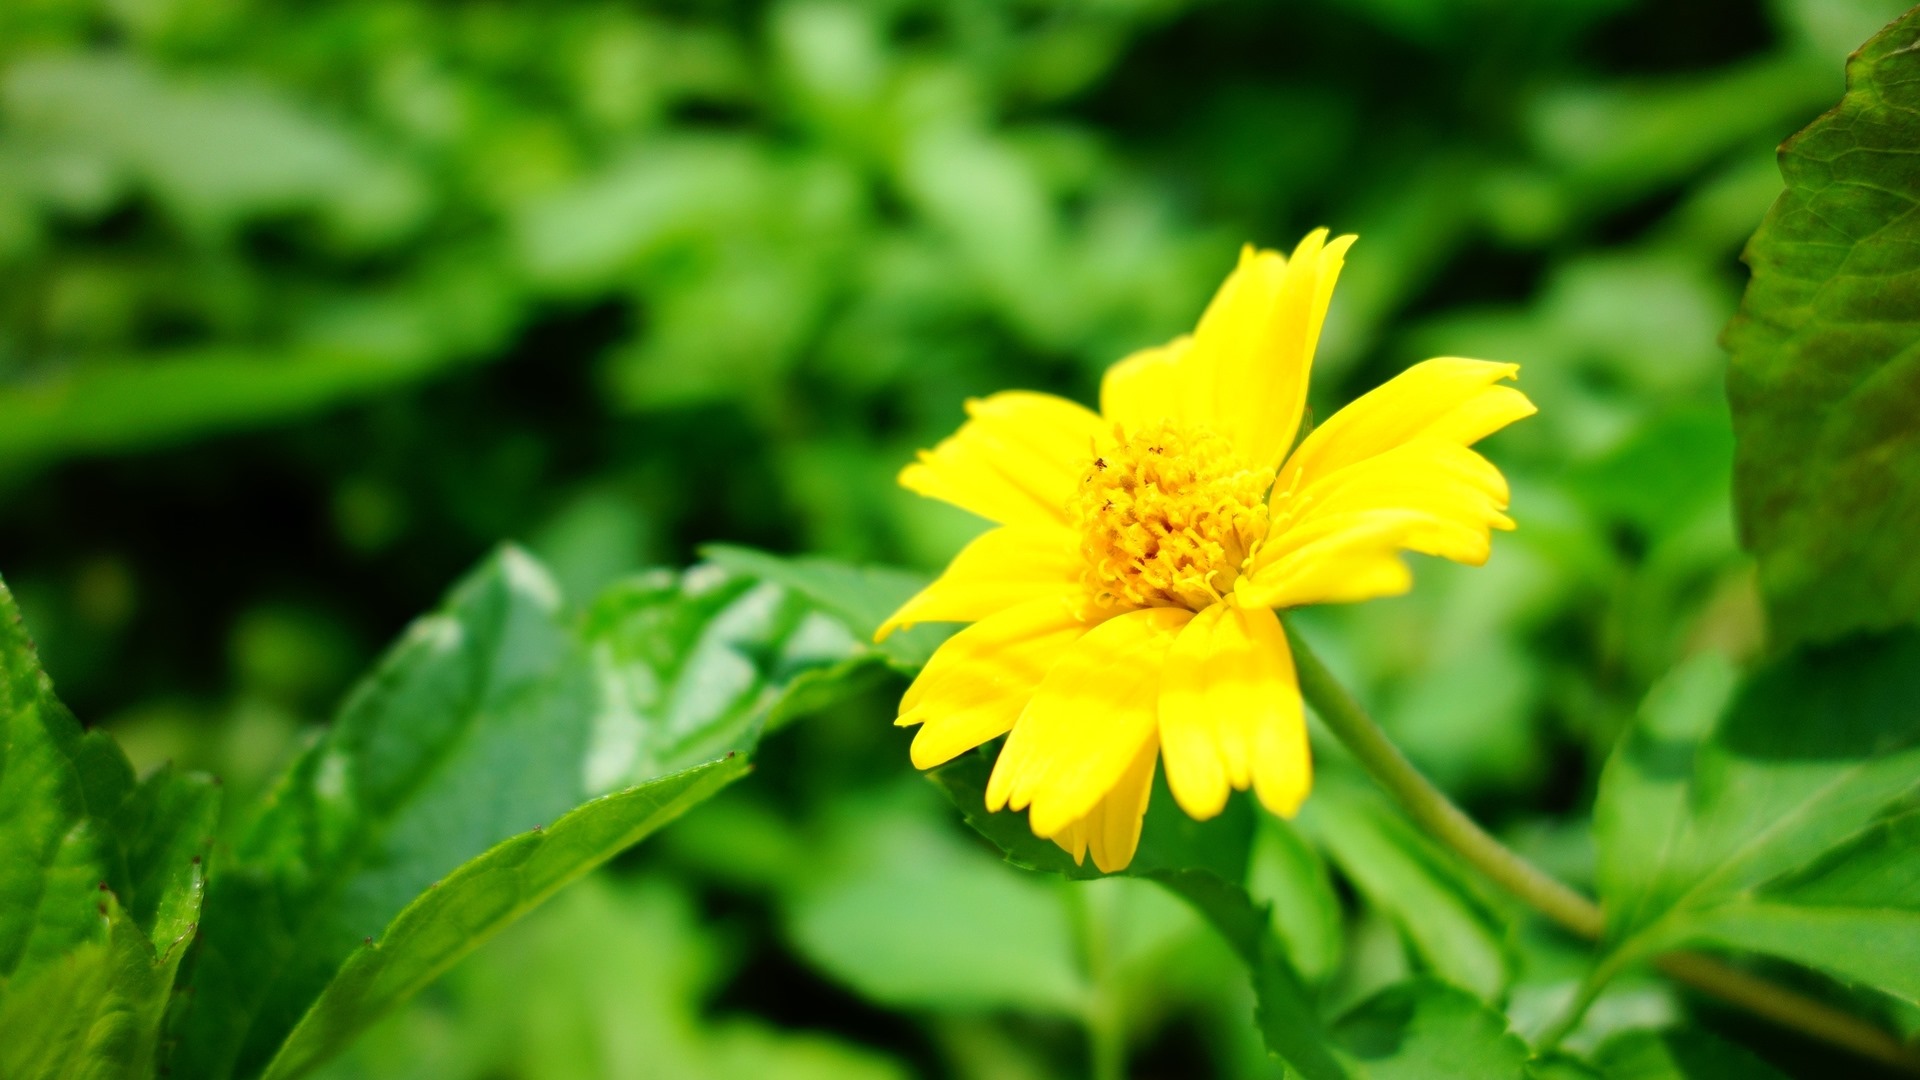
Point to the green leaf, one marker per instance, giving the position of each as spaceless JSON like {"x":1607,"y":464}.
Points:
{"x":1406,"y":877}
{"x":55,"y":783}
{"x":1286,"y":874}
{"x":1854,"y":915}
{"x":1426,"y":1030}
{"x":479,"y":899}
{"x":1682,"y":1054}
{"x":861,"y":596}
{"x":473,"y":729}
{"x":1825,"y":377}
{"x":1727,"y":803}
{"x":94,"y":1012}
{"x":100,"y":883}
{"x":697,"y":664}
{"x":897,"y":907}
{"x":490,"y":719}
{"x":1204,"y":863}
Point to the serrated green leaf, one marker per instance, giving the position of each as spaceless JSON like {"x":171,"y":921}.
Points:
{"x":1426,"y":1030}
{"x":1825,"y":377}
{"x":1726,"y":802}
{"x":100,"y":883}
{"x":1406,"y":877}
{"x":479,"y":899}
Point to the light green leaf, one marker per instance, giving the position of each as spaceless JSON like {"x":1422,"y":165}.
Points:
{"x":1286,"y":874}
{"x":1205,"y":864}
{"x":694,"y":665}
{"x":1406,"y":877}
{"x":1722,"y":806}
{"x":1825,"y":376}
{"x":91,"y":1014}
{"x":479,"y":899}
{"x":899,"y":909}
{"x":1426,"y":1030}
{"x":1855,"y":915}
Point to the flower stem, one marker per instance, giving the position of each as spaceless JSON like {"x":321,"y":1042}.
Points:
{"x":1106,"y":1034}
{"x":1431,"y":808}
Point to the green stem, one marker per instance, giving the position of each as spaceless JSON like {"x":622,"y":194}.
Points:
{"x":1431,"y":808}
{"x":1106,"y":1033}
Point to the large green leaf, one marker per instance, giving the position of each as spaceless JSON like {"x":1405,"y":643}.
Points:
{"x":1825,"y":379}
{"x":100,"y":883}
{"x":418,"y":825}
{"x":1750,"y":814}
{"x":481,"y":898}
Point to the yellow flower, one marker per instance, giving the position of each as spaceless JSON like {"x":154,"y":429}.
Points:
{"x":1123,"y":609}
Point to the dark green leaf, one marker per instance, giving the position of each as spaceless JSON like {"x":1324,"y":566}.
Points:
{"x":490,"y":718}
{"x":473,"y":729}
{"x":479,"y":899}
{"x":1825,"y":379}
{"x":1686,"y":1054}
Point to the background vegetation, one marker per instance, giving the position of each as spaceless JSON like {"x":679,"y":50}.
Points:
{"x":305,"y":308}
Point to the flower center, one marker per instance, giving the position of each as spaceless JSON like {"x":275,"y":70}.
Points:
{"x":1167,"y":518}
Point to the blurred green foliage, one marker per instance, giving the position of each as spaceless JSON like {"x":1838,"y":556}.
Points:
{"x":303,"y":308}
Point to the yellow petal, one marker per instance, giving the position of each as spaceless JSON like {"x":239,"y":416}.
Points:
{"x":1230,"y":713}
{"x":1456,"y":495}
{"x":1247,"y":370}
{"x":1339,"y":559}
{"x":1087,"y":722}
{"x":997,"y":570}
{"x":1390,"y":472}
{"x":978,"y":681}
{"x":1144,"y":389}
{"x":1449,"y":400}
{"x":1111,"y":830}
{"x":1016,"y":461}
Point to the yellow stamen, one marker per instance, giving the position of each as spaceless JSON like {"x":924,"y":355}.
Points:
{"x":1167,"y":518}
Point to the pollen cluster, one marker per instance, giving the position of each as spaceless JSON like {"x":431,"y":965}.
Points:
{"x":1167,"y":518}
